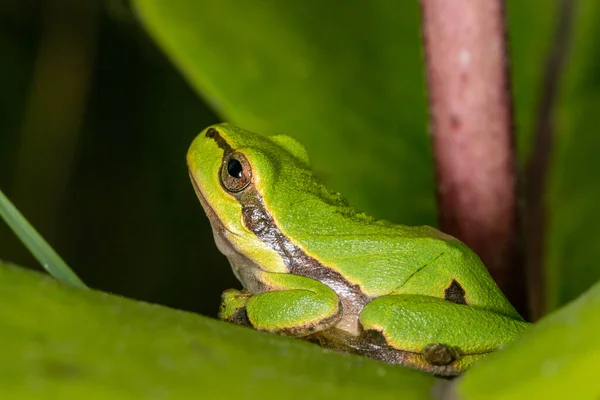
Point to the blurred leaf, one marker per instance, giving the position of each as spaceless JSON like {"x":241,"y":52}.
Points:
{"x":41,"y":250}
{"x":530,"y":26}
{"x":557,"y":358}
{"x":574,"y":232}
{"x":71,"y":343}
{"x":346,"y":81}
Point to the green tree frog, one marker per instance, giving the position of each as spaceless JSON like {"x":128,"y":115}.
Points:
{"x":314,"y":267}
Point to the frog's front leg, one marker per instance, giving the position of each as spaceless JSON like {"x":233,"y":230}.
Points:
{"x":434,"y":332}
{"x":290,"y":304}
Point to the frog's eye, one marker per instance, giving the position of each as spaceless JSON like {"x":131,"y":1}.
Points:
{"x":236,"y":173}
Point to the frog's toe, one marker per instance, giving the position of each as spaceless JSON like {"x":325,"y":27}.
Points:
{"x":233,"y":306}
{"x":238,"y":316}
{"x":433,"y":353}
{"x":440,"y":354}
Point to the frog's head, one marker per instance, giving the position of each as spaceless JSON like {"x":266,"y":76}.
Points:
{"x":235,"y":174}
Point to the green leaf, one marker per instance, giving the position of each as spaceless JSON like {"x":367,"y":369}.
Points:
{"x":530,"y":28}
{"x":557,"y":358}
{"x":573,"y":240}
{"x":64,"y":342}
{"x":40,"y":249}
{"x":347,"y":82}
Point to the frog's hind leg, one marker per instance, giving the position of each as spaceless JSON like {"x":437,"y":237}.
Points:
{"x":435,"y":332}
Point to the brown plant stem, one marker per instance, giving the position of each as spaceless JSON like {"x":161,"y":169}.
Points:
{"x":472,"y":132}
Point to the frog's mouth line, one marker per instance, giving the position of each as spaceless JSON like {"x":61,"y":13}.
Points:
{"x":226,"y":247}
{"x":215,"y":221}
{"x":210,"y":212}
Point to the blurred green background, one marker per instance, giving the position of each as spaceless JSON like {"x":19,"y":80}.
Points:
{"x":95,"y":128}
{"x":95,"y":121}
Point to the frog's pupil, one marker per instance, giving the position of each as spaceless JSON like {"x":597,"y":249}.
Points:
{"x":234,"y":167}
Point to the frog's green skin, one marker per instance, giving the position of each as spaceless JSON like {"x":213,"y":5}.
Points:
{"x":314,"y":267}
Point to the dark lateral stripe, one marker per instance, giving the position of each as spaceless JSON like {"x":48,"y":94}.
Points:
{"x":216,"y":136}
{"x":261,"y":223}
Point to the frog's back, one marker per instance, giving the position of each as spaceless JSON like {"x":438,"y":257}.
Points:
{"x":380,"y":257}
{"x":385,"y":258}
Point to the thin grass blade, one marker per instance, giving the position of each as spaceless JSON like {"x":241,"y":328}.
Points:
{"x":40,"y":249}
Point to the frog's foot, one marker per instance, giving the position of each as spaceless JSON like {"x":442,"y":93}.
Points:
{"x":440,"y":354}
{"x":233,"y":306}
{"x":436,"y":358}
